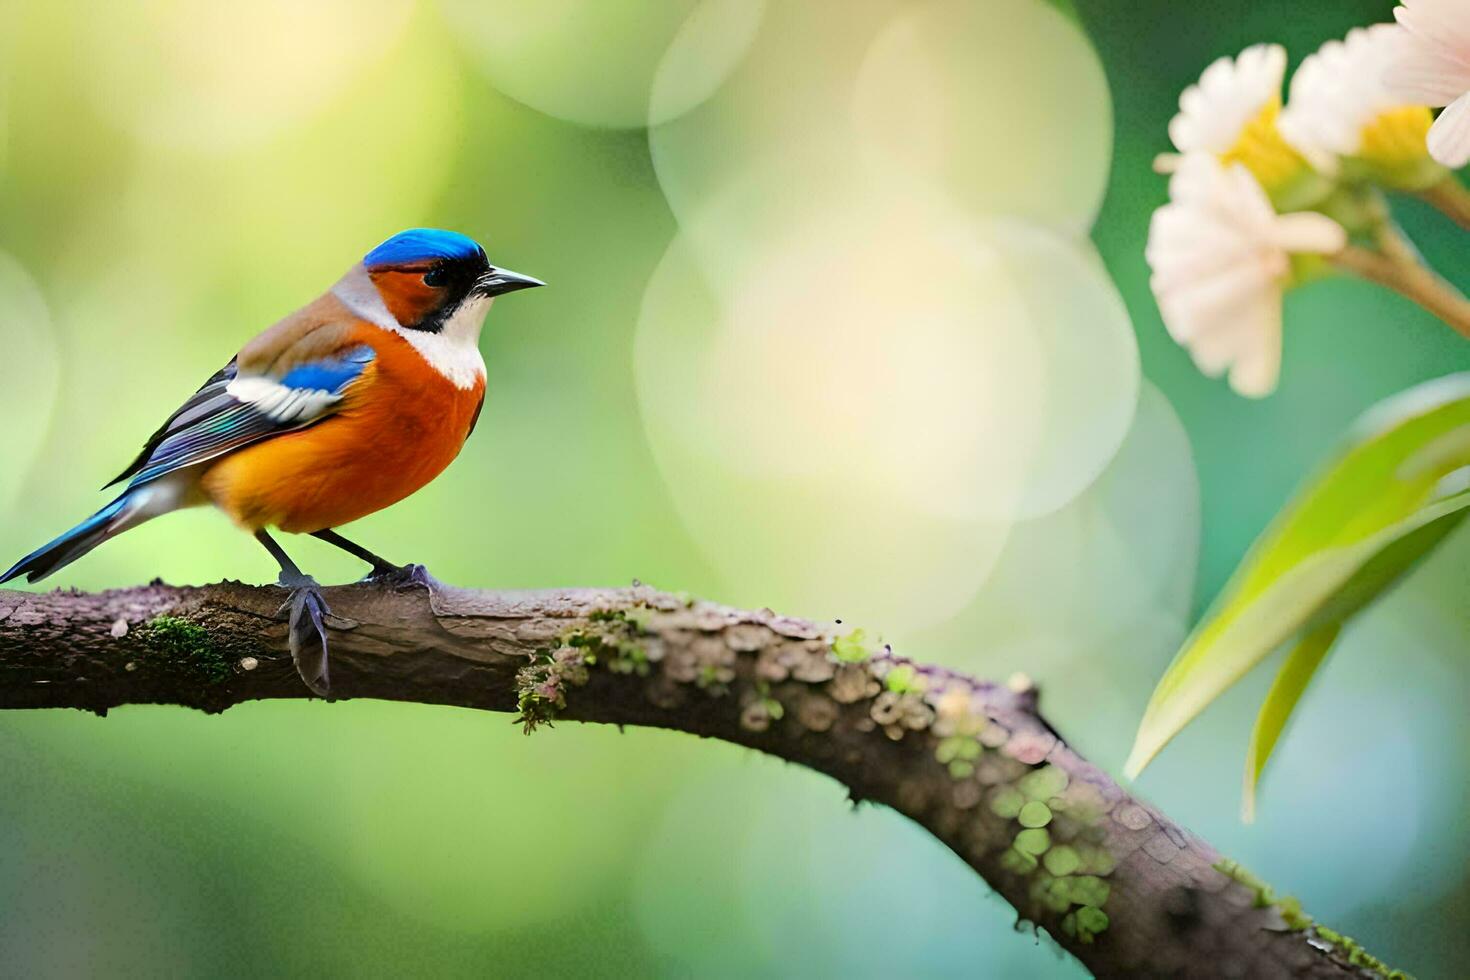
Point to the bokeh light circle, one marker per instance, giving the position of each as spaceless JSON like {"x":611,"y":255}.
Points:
{"x":1090,"y":355}
{"x":1091,"y":600}
{"x":1004,"y":105}
{"x":1125,"y":548}
{"x":1003,"y":108}
{"x":594,"y":63}
{"x":869,"y":352}
{"x":859,"y":397}
{"x":787,"y":104}
{"x":216,"y":77}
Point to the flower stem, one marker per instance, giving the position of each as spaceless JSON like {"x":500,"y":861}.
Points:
{"x":1451,"y":198}
{"x":1398,"y":268}
{"x":1396,"y":245}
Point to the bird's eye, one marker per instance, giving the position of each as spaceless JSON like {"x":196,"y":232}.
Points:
{"x":436,"y":276}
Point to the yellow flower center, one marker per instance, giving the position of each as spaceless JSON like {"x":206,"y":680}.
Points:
{"x":1396,"y":138}
{"x":1263,"y":151}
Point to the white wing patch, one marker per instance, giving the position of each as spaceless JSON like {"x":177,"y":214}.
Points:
{"x":279,"y":402}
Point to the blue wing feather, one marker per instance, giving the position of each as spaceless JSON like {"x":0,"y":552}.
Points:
{"x":332,"y":374}
{"x":215,"y":422}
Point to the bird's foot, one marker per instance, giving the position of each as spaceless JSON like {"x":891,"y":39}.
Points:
{"x":306,"y":611}
{"x":400,"y":576}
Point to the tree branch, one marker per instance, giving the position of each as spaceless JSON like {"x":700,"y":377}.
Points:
{"x":1120,"y":886}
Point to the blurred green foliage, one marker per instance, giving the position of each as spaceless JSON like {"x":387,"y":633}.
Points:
{"x":166,"y":214}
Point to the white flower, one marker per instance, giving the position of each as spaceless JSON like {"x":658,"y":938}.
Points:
{"x":1434,"y":69}
{"x":1231,"y":115}
{"x":1220,"y":256}
{"x":1341,"y":105}
{"x":1229,"y":95}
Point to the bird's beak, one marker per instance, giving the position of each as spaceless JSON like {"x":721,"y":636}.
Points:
{"x":498,"y":281}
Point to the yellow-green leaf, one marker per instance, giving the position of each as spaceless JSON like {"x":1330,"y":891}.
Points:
{"x":1391,"y":494}
{"x":1291,"y":680}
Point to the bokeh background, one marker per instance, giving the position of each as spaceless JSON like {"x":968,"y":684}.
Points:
{"x":848,"y":316}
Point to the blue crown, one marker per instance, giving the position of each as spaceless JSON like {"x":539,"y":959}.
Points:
{"x":422,"y":245}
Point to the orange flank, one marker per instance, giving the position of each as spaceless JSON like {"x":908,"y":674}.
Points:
{"x":399,"y":427}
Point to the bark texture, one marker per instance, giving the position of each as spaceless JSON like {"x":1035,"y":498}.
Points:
{"x":1120,"y":886}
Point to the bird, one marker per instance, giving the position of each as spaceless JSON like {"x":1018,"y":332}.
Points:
{"x":344,"y":407}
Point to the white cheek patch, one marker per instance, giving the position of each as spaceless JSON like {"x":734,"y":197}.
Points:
{"x":279,"y":402}
{"x":455,"y":350}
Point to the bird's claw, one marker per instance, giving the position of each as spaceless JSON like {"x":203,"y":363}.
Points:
{"x":306,"y":611}
{"x":400,"y":576}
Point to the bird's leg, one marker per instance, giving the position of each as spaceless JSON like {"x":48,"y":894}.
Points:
{"x":384,"y":572}
{"x":307,"y":614}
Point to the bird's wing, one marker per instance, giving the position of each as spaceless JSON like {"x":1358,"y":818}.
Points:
{"x":299,"y":386}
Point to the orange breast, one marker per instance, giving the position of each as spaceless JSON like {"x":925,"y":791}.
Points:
{"x":399,"y":428}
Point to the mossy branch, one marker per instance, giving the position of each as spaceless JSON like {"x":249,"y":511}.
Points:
{"x":1120,"y":886}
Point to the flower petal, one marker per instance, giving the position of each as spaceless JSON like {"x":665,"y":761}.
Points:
{"x":1424,"y":76}
{"x":1200,"y":302}
{"x":1449,"y":137}
{"x":1307,"y":231}
{"x":1258,"y":368}
{"x":1440,"y":23}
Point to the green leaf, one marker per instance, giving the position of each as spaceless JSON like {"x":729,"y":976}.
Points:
{"x":1390,"y":496}
{"x":1293,"y":678}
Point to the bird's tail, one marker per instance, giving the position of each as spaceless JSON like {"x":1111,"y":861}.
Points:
{"x":126,"y":511}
